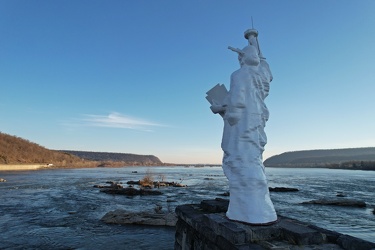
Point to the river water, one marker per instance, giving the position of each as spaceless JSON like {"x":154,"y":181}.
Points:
{"x":60,"y":208}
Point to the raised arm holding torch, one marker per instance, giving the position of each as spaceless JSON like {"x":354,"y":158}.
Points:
{"x":240,"y":52}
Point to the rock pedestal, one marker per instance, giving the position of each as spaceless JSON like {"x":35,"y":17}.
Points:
{"x":205,"y":226}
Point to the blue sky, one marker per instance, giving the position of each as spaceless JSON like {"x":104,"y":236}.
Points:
{"x":131,"y":76}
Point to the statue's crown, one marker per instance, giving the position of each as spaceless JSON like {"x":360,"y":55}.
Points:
{"x":250,"y":32}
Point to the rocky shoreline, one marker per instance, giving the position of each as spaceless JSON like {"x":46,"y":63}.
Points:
{"x":158,"y":218}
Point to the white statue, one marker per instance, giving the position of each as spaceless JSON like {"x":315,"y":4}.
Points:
{"x":245,"y":115}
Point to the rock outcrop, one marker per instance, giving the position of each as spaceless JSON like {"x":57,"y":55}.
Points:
{"x":116,"y":188}
{"x":110,"y":158}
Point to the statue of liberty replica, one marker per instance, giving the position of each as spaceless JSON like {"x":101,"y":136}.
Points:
{"x":245,"y":115}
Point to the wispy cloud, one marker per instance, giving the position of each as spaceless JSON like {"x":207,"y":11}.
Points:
{"x":115,"y":120}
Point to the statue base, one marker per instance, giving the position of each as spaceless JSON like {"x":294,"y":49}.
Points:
{"x":205,"y":226}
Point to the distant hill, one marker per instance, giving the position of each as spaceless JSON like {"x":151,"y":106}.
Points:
{"x":348,"y":158}
{"x":126,"y":159}
{"x":16,"y":150}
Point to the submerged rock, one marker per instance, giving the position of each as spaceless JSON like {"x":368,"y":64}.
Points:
{"x":120,"y":216}
{"x":338,"y":202}
{"x":100,"y":186}
{"x":282,"y":189}
{"x":225,"y":194}
{"x":130,"y":191}
{"x":179,"y":185}
{"x":271,"y":189}
{"x":134,"y":183}
{"x":114,"y":185}
{"x":158,"y":184}
{"x":340,"y":194}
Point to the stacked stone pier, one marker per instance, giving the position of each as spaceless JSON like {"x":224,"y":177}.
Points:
{"x":205,"y":226}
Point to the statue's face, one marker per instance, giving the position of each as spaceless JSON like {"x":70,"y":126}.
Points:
{"x":250,"y":57}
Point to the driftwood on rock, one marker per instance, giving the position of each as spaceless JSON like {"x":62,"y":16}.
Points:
{"x":120,"y":216}
{"x":338,"y":202}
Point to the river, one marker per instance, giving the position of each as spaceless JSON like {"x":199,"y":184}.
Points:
{"x":60,"y":208}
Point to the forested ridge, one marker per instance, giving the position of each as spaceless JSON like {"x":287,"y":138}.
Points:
{"x":126,"y":158}
{"x":348,"y":158}
{"x":16,"y":150}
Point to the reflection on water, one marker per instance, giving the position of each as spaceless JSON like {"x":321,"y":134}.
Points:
{"x":60,"y":209}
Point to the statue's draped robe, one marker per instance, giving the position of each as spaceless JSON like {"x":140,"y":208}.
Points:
{"x":243,"y":145}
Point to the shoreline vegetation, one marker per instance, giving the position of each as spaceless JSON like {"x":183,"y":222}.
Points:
{"x":20,"y":154}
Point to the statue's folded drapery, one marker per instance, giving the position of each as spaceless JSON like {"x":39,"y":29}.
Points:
{"x":244,"y":138}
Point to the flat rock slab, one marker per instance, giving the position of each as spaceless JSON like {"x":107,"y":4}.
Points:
{"x":215,"y":206}
{"x":300,"y":234}
{"x":120,"y":216}
{"x":338,"y":202}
